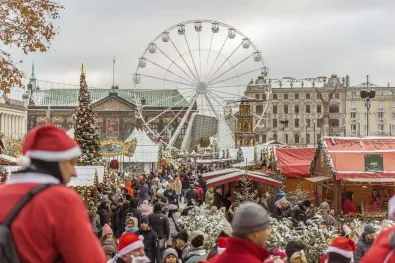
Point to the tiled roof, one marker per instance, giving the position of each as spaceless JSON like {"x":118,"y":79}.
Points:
{"x":69,"y":97}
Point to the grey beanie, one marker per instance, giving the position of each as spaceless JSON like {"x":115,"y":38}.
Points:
{"x":369,"y":229}
{"x":170,"y":251}
{"x":250,"y":218}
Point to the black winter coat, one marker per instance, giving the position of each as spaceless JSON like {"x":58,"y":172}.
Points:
{"x":151,"y":245}
{"x":171,"y":196}
{"x":192,"y":194}
{"x":185,"y":184}
{"x":120,"y":222}
{"x":202,"y":185}
{"x":217,"y":200}
{"x":160,"y":224}
{"x":298,"y":214}
{"x":104,"y":216}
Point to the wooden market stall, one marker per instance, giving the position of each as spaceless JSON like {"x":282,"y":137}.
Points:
{"x":359,"y":165}
{"x":228,"y":178}
{"x":294,"y":165}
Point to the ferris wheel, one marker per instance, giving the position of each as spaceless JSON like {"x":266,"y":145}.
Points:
{"x":205,"y":67}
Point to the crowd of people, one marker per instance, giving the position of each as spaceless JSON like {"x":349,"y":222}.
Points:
{"x":137,"y":222}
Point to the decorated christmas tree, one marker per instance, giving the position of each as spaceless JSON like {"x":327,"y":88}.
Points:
{"x":85,"y":126}
{"x":298,"y":195}
{"x":247,"y":193}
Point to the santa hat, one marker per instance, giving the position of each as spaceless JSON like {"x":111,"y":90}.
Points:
{"x":342,"y":246}
{"x":391,"y":208}
{"x":48,"y":143}
{"x":129,"y":242}
{"x":222,"y":243}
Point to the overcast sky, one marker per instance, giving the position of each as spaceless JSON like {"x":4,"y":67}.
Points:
{"x":297,"y":38}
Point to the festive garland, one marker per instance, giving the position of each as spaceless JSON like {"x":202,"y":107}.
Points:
{"x":322,"y":147}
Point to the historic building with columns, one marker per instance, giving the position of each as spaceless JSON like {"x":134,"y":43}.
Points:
{"x":12,"y":117}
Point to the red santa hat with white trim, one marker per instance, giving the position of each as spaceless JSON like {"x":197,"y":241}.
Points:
{"x":342,"y":246}
{"x":48,"y":143}
{"x":129,"y":242}
{"x":222,"y":244}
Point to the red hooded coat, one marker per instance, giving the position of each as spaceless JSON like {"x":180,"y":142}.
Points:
{"x":381,"y":248}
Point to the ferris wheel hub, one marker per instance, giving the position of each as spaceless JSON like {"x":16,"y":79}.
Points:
{"x":201,"y":87}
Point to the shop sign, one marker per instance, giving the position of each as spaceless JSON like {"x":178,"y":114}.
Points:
{"x":374,"y":163}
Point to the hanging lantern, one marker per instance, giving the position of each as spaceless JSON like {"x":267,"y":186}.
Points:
{"x":152,"y":48}
{"x":257,"y":56}
{"x":198,"y":26}
{"x":246,"y":43}
{"x":215,"y":27}
{"x":165,"y":36}
{"x":181,"y":29}
{"x":136,"y":78}
{"x":142,"y":62}
{"x":231,"y":33}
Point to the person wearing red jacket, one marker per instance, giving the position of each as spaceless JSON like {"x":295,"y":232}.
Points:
{"x":250,"y":232}
{"x":383,"y":248}
{"x":200,"y":191}
{"x":54,"y":224}
{"x":348,"y":206}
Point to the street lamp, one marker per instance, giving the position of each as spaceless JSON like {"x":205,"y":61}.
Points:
{"x":366,"y":95}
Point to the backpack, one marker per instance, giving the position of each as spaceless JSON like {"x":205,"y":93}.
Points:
{"x":8,"y":251}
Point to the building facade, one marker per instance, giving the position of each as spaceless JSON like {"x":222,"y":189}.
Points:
{"x":12,"y":118}
{"x":299,"y":115}
{"x":381,"y":116}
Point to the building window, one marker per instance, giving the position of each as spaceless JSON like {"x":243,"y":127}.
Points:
{"x":366,"y":115}
{"x":308,"y":123}
{"x":319,"y":123}
{"x":263,"y":138}
{"x":296,"y":138}
{"x":318,"y":108}
{"x":296,"y":108}
{"x":353,"y":127}
{"x":353,"y":105}
{"x":380,"y":115}
{"x":381,"y":127}
{"x":337,"y":95}
{"x":393,"y":104}
{"x":259,"y":109}
{"x":274,"y":123}
{"x":353,"y":115}
{"x":257,"y":96}
{"x":318,"y":137}
{"x":393,"y":116}
{"x":274,"y":136}
{"x":296,"y":96}
{"x":285,"y":96}
{"x":274,"y":96}
{"x":296,"y":123}
{"x":274,"y":109}
{"x":335,"y":122}
{"x":286,"y":109}
{"x":264,"y":96}
{"x":307,"y":95}
{"x":308,"y":138}
{"x":286,"y":138}
{"x":334,"y":108}
{"x":393,"y":127}
{"x":99,"y":128}
{"x":307,"y":108}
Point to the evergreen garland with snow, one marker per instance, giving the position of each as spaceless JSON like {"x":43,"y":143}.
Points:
{"x":247,"y":193}
{"x":298,"y":195}
{"x":85,"y":127}
{"x":201,"y":219}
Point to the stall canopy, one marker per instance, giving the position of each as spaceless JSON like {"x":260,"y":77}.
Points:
{"x":294,"y":162}
{"x":231,"y":175}
{"x":146,"y":150}
{"x":350,"y":157}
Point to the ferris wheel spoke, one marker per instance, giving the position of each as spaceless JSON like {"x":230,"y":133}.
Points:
{"x":223,"y":63}
{"x":211,"y":42}
{"x":175,"y":135}
{"x":190,"y":53}
{"x":230,"y":69}
{"x":219,"y":53}
{"x":166,"y":99}
{"x":163,"y":112}
{"x":200,"y":56}
{"x":168,"y":70}
{"x":210,"y":105}
{"x":168,"y":80}
{"x":175,"y":63}
{"x":183,"y":59}
{"x":261,"y":117}
{"x":175,"y":117}
{"x":212,"y":95}
{"x":245,"y":73}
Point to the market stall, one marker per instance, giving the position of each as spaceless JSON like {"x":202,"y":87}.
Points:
{"x":362,"y":167}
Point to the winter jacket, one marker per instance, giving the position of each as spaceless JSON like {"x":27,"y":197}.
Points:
{"x":104,"y":216}
{"x":96,"y":223}
{"x":283,"y":212}
{"x":195,"y":255}
{"x":209,"y":199}
{"x":241,"y":250}
{"x":183,"y":251}
{"x":53,"y":223}
{"x":185,"y":184}
{"x":213,"y":252}
{"x":200,"y":192}
{"x":329,"y":220}
{"x":217,"y":200}
{"x":174,"y":229}
{"x":143,"y":194}
{"x":178,"y":186}
{"x":298,"y":214}
{"x":132,"y":211}
{"x":120,"y":222}
{"x":192,"y":194}
{"x":150,"y":245}
{"x":381,"y":248}
{"x":202,"y":184}
{"x":349,"y":207}
{"x":362,"y":247}
{"x":160,"y":224}
{"x":171,"y":196}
